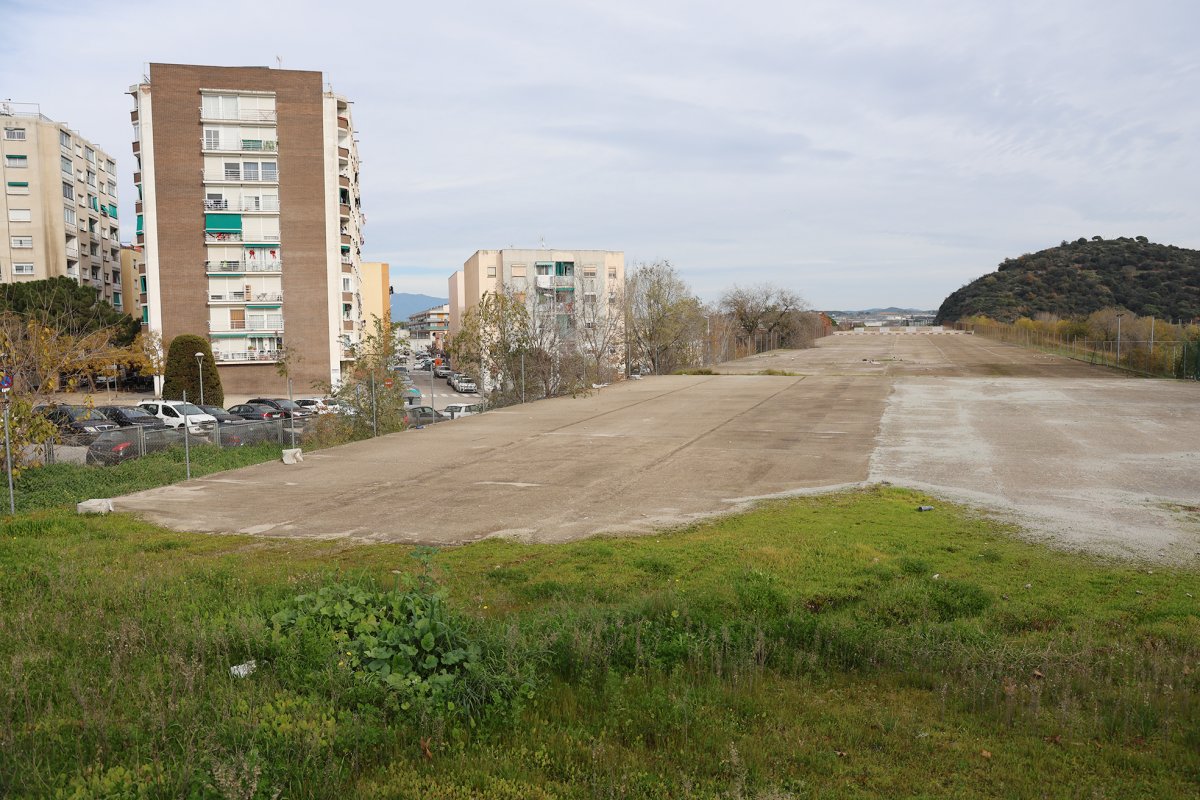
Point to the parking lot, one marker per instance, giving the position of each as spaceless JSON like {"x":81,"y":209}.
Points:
{"x":1077,"y":454}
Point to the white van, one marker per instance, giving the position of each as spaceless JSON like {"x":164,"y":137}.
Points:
{"x":177,"y":413}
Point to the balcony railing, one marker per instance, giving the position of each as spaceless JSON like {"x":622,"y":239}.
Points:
{"x":235,"y":356}
{"x":253,"y":324}
{"x":347,"y":259}
{"x":213,"y":237}
{"x":238,"y":176}
{"x":245,"y":297}
{"x":240,"y":146}
{"x":269,"y":204}
{"x":245,"y":265}
{"x":241,"y":115}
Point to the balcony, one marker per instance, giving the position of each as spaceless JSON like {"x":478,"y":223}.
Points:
{"x":274,"y":324}
{"x":245,"y":265}
{"x":347,"y":259}
{"x":222,"y":237}
{"x":343,"y":123}
{"x":245,"y":297}
{"x":245,"y":356}
{"x":241,"y":146}
{"x":344,"y":210}
{"x":238,"y":176}
{"x":241,"y":115}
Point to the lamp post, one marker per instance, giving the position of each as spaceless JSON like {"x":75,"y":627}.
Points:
{"x":200,"y":366}
{"x":1119,"y":339}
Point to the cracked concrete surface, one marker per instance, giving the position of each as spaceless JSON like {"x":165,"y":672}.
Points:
{"x":1077,"y":454}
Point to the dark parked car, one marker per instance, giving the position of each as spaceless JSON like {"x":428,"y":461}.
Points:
{"x":289,"y":408}
{"x":113,"y":447}
{"x":255,"y":411}
{"x":127,"y":416}
{"x":77,"y":425}
{"x":423,"y":415}
{"x":222,"y":416}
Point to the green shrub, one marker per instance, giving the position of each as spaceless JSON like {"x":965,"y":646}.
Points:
{"x":182,"y":373}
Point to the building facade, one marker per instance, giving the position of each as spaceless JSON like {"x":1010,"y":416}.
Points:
{"x":565,"y":285}
{"x":427,"y":329}
{"x":376,"y":293}
{"x":60,"y":205}
{"x":250,"y":219}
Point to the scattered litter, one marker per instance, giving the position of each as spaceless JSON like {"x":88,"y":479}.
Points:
{"x":937,"y":575}
{"x":1037,"y":673}
{"x":985,"y":753}
{"x":243,"y":670}
{"x":1138,"y":591}
{"x":1029,"y":586}
{"x":924,"y":508}
{"x":923,"y":735}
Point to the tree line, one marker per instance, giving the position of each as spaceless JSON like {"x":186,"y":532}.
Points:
{"x":524,"y":345}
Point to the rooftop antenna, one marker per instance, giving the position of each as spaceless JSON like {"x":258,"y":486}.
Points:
{"x":279,"y":62}
{"x":543,"y":240}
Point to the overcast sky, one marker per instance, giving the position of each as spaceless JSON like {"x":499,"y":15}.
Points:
{"x":861,"y":153}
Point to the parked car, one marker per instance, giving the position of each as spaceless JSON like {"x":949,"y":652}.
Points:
{"x":112,"y":447}
{"x":77,"y":425}
{"x":319,"y":405}
{"x":465,"y":385}
{"x":288,"y":407}
{"x":177,"y":413}
{"x":442,"y":371}
{"x":423,"y":415}
{"x":255,"y":411}
{"x":128,"y":416}
{"x":456,"y":410}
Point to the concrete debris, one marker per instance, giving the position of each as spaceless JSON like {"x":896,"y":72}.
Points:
{"x":101,"y":506}
{"x":243,"y":670}
{"x":292,"y":455}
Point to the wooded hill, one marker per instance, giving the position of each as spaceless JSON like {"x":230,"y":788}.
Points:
{"x":1079,"y":277}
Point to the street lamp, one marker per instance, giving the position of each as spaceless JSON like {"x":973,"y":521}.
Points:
{"x":200,"y":366}
{"x":1119,"y":339}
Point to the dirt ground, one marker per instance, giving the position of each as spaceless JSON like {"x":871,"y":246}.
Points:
{"x":1077,"y":454}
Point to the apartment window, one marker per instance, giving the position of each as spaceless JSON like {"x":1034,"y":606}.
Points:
{"x":347,"y":310}
{"x":589,"y":272}
{"x":64,"y":139}
{"x":491,"y":270}
{"x":16,"y":162}
{"x":544,"y":268}
{"x":219,"y":106}
{"x":91,"y":226}
{"x":145,"y":315}
{"x":518,"y":270}
{"x":612,"y":273}
{"x":110,"y":167}
{"x":142,"y":284}
{"x":69,"y":215}
{"x":346,"y":285}
{"x":250,"y":171}
{"x":112,"y":188}
{"x":116,"y":300}
{"x":21,"y":242}
{"x":17,"y":187}
{"x":14,"y":134}
{"x":22,"y":269}
{"x":91,"y":179}
{"x":90,"y":155}
{"x":270,"y":171}
{"x":67,"y":168}
{"x":68,"y":191}
{"x":233,"y":171}
{"x":212,"y":139}
{"x":20,"y":215}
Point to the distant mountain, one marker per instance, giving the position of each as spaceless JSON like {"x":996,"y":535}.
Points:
{"x":1086,"y":275}
{"x":405,"y":305}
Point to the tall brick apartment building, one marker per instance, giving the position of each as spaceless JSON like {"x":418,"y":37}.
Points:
{"x":250,"y":218}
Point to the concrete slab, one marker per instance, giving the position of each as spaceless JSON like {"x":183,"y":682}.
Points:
{"x":1088,"y":456}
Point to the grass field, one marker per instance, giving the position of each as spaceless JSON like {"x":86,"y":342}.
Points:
{"x":837,"y":646}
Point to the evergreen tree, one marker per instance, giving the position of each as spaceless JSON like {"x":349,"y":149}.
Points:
{"x":183,"y":374}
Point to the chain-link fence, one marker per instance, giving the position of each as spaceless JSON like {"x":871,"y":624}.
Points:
{"x":135,"y":441}
{"x":1165,"y":359}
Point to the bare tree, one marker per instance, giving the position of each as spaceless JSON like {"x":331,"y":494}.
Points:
{"x":600,"y":333}
{"x":665,"y":324}
{"x":767,"y":316}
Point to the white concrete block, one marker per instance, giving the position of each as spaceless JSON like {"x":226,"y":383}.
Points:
{"x":292,"y":455}
{"x":99,"y":506}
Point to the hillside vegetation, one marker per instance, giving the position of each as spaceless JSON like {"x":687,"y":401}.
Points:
{"x":1077,"y":278}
